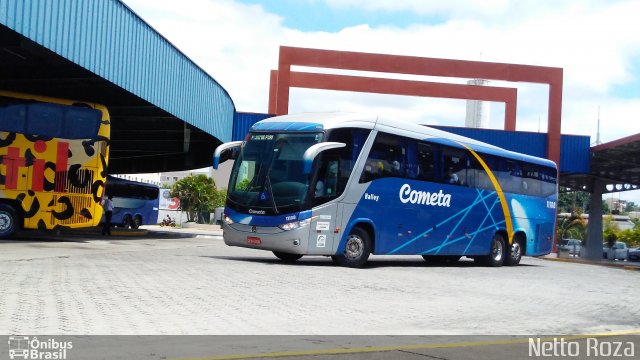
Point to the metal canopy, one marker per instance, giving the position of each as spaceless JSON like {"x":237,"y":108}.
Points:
{"x":616,"y":164}
{"x":167,"y":114}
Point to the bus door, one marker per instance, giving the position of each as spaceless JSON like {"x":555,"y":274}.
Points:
{"x":324,"y":230}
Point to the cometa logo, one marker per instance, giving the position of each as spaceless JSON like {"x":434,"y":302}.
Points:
{"x":423,"y":197}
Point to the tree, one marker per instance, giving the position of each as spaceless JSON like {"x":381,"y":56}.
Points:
{"x":573,"y":227}
{"x":630,"y":206}
{"x":220,"y":198}
{"x":197,"y":193}
{"x":573,"y":202}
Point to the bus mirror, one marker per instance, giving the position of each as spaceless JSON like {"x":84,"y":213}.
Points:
{"x":316,"y":149}
{"x":224,"y":152}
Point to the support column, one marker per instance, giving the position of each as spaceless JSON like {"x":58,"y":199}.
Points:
{"x":594,"y":230}
{"x":555,"y":118}
{"x":273,"y":91}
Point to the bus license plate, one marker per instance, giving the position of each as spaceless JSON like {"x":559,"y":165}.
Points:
{"x":252,"y":240}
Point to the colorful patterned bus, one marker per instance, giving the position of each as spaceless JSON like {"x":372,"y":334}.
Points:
{"x":348,"y":185}
{"x":54,"y":156}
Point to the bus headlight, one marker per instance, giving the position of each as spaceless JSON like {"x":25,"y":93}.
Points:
{"x":228,"y":220}
{"x":295,"y":225}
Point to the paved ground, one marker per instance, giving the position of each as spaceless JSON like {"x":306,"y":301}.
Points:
{"x":177,"y":283}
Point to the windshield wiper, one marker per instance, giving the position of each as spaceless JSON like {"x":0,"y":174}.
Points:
{"x":268,"y":180}
{"x":273,"y":201}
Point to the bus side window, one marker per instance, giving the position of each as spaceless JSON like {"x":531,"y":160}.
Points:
{"x":549,"y":179}
{"x":482,"y":179}
{"x":342,"y":161}
{"x":373,"y":168}
{"x":454,"y":167}
{"x":13,"y":118}
{"x":327,"y":182}
{"x":347,"y":156}
{"x":386,"y":159}
{"x":510,"y":176}
{"x":81,"y":123}
{"x":422,"y":163}
{"x":531,"y":184}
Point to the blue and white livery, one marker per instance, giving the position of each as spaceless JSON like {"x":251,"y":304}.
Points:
{"x":350,"y":185}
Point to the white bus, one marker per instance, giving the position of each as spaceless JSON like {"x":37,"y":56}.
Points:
{"x":348,"y":185}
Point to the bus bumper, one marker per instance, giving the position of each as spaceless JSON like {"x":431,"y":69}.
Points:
{"x":267,"y":238}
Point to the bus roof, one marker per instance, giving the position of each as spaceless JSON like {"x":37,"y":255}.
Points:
{"x":332,"y":120}
{"x":117,"y":180}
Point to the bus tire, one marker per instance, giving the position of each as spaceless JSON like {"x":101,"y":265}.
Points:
{"x":287,"y":257}
{"x":137,"y":221}
{"x":513,"y":254}
{"x":497,"y":253}
{"x":126,"y":221}
{"x":8,"y":220}
{"x":356,"y":250}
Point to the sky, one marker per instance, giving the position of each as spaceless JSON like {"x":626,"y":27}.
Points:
{"x":597,"y":43}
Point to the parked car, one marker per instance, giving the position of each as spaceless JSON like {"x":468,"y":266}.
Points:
{"x":572,"y":245}
{"x":619,"y":251}
{"x":634,"y":254}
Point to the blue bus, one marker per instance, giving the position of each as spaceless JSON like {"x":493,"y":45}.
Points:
{"x":134,"y":203}
{"x":349,"y":185}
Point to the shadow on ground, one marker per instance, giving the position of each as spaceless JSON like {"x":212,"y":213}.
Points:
{"x":322,"y":261}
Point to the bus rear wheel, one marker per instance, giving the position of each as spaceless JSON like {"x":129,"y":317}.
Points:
{"x":8,"y":221}
{"x":513,"y":253}
{"x":287,"y":257}
{"x":497,"y":253}
{"x":356,"y":250}
{"x":137,"y":221}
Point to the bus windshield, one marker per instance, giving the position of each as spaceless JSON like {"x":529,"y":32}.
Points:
{"x":267,"y":176}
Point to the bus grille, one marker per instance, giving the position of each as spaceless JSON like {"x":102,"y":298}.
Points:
{"x":78,"y":203}
{"x":64,"y":184}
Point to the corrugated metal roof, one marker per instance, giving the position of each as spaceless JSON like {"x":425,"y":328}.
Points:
{"x":109,"y":39}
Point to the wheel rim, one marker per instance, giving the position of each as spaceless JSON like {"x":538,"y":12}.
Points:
{"x":354,"y":248}
{"x":516,"y":250}
{"x":5,"y":221}
{"x":497,"y":250}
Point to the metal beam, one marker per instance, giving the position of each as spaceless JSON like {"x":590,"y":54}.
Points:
{"x":346,"y":60}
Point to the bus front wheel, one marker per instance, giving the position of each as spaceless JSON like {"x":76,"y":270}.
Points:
{"x":126,"y":221}
{"x":356,"y":250}
{"x":286,"y":257}
{"x":497,"y":253}
{"x":8,"y":220}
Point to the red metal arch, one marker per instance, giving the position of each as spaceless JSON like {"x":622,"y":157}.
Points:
{"x":509,"y":96}
{"x":284,"y":79}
